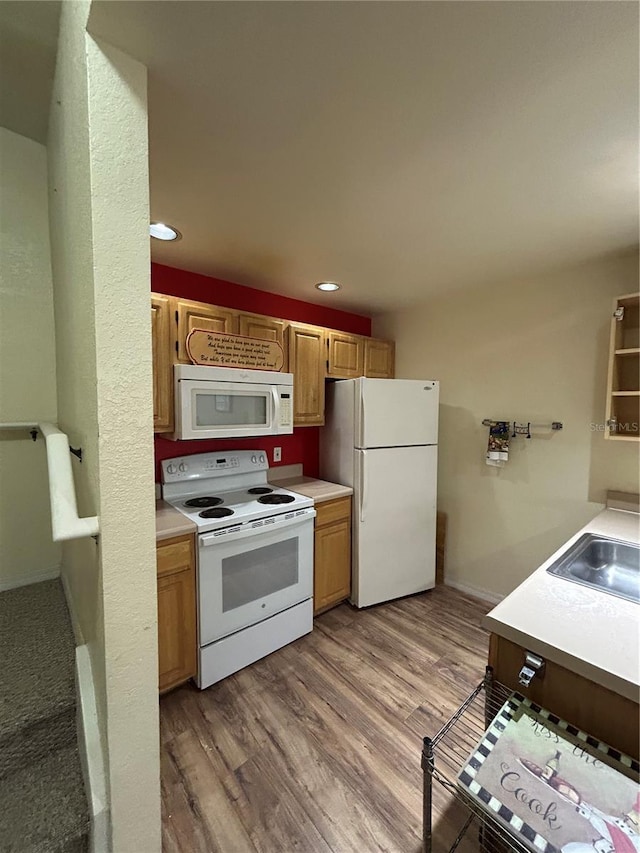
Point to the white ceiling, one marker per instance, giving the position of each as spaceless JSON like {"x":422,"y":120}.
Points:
{"x":399,"y":148}
{"x":28,"y":40}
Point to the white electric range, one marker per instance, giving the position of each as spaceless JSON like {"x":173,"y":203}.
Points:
{"x":254,"y":557}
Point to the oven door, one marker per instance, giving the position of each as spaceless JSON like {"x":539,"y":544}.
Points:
{"x":226,"y":409}
{"x":253,"y":571}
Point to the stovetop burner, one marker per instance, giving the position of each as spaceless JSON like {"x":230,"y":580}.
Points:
{"x":216,"y":512}
{"x":259,"y":490}
{"x":207,"y":500}
{"x":276,"y":499}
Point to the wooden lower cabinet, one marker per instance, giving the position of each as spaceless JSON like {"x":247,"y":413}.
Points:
{"x":589,"y":706}
{"x":332,"y":559}
{"x":177,"y":638}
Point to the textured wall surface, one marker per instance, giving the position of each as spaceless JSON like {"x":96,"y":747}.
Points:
{"x":27,"y":361}
{"x":118,"y":122}
{"x":530,"y":351}
{"x":100,"y":252}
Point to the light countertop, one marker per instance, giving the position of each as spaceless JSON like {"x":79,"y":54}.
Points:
{"x":170,"y":522}
{"x":592,"y":633}
{"x":319,"y":490}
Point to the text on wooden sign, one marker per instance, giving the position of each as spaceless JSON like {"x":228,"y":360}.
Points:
{"x":219,"y":349}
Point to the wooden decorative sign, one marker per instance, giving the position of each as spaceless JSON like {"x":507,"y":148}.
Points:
{"x":218,"y":349}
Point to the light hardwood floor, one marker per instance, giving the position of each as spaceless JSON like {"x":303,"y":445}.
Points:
{"x":317,"y":747}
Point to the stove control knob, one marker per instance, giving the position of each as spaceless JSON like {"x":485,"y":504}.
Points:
{"x":253,"y":459}
{"x":262,"y":458}
{"x":182,"y":468}
{"x":171,"y":469}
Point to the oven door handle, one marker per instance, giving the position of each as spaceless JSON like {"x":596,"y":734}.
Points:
{"x":247,"y":530}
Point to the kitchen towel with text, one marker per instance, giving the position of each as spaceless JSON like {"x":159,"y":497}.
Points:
{"x":554,"y":787}
{"x":498,"y":445}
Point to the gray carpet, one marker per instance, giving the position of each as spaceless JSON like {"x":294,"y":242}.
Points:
{"x":43,"y":806}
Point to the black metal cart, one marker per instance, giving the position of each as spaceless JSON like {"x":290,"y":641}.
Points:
{"x":445,"y":754}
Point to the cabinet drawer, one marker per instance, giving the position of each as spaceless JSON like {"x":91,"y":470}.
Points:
{"x":331,"y":511}
{"x":175,"y":555}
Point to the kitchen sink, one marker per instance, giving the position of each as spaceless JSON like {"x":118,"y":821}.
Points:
{"x":605,"y":564}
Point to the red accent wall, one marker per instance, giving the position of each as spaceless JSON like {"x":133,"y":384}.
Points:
{"x":204,"y":288}
{"x":302,"y":446}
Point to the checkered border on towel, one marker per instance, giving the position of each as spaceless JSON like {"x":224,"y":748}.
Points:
{"x":594,"y":743}
{"x":489,"y":740}
{"x":491,"y":803}
{"x":498,"y":725}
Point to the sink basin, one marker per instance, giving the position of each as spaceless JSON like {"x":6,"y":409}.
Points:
{"x":608,"y":565}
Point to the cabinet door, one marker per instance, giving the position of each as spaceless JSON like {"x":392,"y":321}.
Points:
{"x":177,"y":642}
{"x":307,"y":359}
{"x":589,"y":706}
{"x":379,"y":359}
{"x":265,"y":329}
{"x":200,"y":315}
{"x":346,"y":355}
{"x":161,"y":342}
{"x":332,"y":564}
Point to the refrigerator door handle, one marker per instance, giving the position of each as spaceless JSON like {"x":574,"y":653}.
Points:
{"x":363,"y":484}
{"x":362,"y":419}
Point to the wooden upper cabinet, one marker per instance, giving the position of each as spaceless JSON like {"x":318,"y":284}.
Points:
{"x":265,"y":329}
{"x":346,"y":355}
{"x":379,"y":358}
{"x":161,"y":342}
{"x":307,"y":359}
{"x":623,"y":383}
{"x":200,"y":315}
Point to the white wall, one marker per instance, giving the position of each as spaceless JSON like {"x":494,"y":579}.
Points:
{"x":27,"y":361}
{"x":530,"y":350}
{"x":101,"y":268}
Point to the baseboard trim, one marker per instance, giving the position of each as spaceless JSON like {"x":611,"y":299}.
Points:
{"x":71,"y":607}
{"x":90,"y":748}
{"x":25,"y":580}
{"x":475,"y":591}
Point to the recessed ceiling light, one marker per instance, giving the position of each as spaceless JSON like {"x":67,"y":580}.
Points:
{"x":328,"y":285}
{"x":161,"y":231}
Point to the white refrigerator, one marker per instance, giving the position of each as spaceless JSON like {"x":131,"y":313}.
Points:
{"x":381,"y":438}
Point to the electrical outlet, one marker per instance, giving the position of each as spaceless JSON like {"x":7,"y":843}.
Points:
{"x":277,"y":454}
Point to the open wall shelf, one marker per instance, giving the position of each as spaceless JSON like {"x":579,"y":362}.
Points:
{"x":623,"y":387}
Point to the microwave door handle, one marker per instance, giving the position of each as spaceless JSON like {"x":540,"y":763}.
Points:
{"x":276,"y":406}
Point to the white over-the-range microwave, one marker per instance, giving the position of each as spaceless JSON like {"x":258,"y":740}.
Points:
{"x":228,"y":402}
